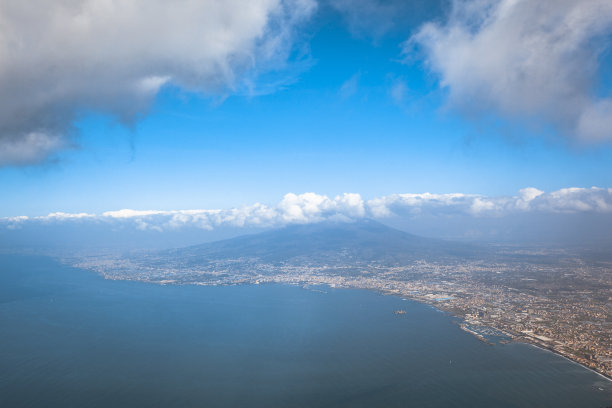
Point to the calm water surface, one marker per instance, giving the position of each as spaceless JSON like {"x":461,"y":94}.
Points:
{"x":68,"y":338}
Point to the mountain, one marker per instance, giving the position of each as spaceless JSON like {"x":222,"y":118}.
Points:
{"x":327,"y":243}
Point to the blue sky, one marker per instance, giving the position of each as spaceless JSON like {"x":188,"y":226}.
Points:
{"x":349,"y":108}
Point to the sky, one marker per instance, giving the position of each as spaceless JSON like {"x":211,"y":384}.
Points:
{"x":492,"y":107}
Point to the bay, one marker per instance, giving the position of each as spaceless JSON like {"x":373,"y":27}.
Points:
{"x":69,"y":338}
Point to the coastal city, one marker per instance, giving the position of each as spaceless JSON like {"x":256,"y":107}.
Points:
{"x":306,"y":203}
{"x":551,"y":299}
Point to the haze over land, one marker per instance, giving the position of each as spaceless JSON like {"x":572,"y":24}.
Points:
{"x":555,"y":298}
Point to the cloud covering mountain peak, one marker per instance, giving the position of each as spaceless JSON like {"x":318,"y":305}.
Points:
{"x":311,"y":208}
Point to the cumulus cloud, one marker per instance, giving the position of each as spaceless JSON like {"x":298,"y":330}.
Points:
{"x":413,"y":204}
{"x":59,"y":59}
{"x":574,"y":200}
{"x":310,"y":207}
{"x":292,"y":209}
{"x":568,"y":200}
{"x":524,"y":59}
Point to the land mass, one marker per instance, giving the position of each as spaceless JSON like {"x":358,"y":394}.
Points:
{"x":558,"y":299}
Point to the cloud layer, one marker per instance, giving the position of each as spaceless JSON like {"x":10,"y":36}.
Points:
{"x":311,"y":207}
{"x":59,"y":59}
{"x":524,"y":59}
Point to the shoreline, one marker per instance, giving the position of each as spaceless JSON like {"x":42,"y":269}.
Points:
{"x":604,"y":376}
{"x":513,"y":337}
{"x":434,"y":305}
{"x":521,"y":340}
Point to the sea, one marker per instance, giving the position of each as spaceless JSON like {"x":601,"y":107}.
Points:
{"x":70,"y":338}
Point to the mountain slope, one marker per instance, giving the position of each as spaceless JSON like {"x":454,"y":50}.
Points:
{"x":329,"y":243}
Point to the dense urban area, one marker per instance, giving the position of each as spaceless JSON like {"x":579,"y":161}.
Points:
{"x":548,"y":298}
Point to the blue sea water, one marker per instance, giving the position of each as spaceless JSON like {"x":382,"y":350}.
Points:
{"x":69,"y":338}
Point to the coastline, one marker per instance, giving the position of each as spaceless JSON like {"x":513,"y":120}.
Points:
{"x":550,"y":350}
{"x":407,"y":296}
{"x":520,"y":339}
{"x":513,"y":337}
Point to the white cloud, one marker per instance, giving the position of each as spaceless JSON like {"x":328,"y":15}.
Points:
{"x":592,"y":199}
{"x":60,"y":58}
{"x":310,"y":207}
{"x":126,"y":213}
{"x":68,"y":216}
{"x":411,"y":204}
{"x":526,"y":59}
{"x":292,"y":209}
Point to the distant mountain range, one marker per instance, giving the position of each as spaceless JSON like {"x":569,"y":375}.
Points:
{"x":329,"y":243}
